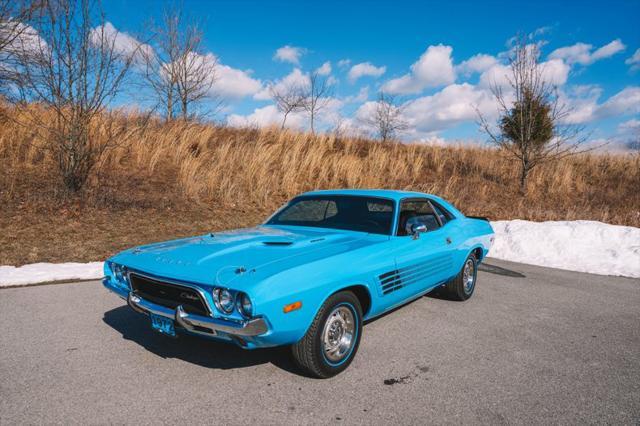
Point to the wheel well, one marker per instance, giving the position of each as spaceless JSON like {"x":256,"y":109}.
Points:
{"x":362,"y":293}
{"x":478,"y":252}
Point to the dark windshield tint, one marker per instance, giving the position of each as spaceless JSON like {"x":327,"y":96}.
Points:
{"x":364,"y":214}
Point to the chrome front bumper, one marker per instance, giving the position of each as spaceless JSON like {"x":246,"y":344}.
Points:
{"x":197,"y":323}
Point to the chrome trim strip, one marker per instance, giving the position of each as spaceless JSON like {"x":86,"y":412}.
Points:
{"x":174,"y":282}
{"x":253,"y":327}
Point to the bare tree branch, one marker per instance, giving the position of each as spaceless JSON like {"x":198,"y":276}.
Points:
{"x":289,"y":98}
{"x":386,"y":118}
{"x":73,"y":68}
{"x":177,"y":71}
{"x":317,"y":96}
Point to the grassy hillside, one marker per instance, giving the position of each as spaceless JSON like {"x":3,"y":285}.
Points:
{"x":171,"y":180}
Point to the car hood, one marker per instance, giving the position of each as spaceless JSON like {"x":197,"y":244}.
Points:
{"x":229,"y":257}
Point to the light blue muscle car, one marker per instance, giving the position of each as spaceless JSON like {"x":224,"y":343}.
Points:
{"x":309,"y":276}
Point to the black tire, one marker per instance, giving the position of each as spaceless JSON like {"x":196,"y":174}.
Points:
{"x":309,"y":352}
{"x":456,"y":289}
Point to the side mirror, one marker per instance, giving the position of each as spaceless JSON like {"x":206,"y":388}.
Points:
{"x":417,"y":229}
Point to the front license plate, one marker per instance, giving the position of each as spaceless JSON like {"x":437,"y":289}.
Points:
{"x":162,"y":324}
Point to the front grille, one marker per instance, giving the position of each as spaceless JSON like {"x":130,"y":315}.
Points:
{"x":169,"y":295}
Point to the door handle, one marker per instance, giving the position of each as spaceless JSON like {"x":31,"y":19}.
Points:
{"x":448,"y":240}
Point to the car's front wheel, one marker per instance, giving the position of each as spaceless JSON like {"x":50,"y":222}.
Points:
{"x":333,"y":338}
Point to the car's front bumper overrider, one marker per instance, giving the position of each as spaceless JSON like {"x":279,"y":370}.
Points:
{"x":197,"y":323}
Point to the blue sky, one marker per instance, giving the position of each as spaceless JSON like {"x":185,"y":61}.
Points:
{"x":602,"y":86}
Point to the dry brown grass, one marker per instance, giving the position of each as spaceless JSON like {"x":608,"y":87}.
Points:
{"x":185,"y":178}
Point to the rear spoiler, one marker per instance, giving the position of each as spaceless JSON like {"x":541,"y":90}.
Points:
{"x":479,"y":218}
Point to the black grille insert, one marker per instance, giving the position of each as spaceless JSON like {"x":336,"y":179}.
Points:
{"x":169,"y":295}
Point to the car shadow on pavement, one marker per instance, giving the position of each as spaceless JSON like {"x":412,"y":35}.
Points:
{"x":201,"y":351}
{"x":493,"y":269}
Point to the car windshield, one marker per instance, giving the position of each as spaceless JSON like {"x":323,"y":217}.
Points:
{"x":363,"y":214}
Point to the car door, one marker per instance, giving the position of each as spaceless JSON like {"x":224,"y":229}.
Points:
{"x":423,"y":260}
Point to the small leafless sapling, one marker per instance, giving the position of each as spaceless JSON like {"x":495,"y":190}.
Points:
{"x":386,"y":118}
{"x":317,"y":96}
{"x":176,"y":70}
{"x":289,"y":98}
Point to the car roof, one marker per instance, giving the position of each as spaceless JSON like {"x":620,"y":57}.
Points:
{"x":392,"y":194}
{"x":383,"y":193}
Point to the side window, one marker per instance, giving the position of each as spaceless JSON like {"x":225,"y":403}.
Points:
{"x":443,"y":214}
{"x":416,"y":212}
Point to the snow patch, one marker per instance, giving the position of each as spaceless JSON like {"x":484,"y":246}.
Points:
{"x":45,"y":272}
{"x":581,"y":245}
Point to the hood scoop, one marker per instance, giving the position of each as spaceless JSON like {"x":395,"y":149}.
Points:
{"x":277,"y":243}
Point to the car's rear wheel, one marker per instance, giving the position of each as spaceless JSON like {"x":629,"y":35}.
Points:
{"x":462,"y":286}
{"x":333,"y":338}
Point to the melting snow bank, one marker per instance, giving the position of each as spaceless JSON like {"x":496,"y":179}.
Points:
{"x":581,"y":245}
{"x":45,"y":272}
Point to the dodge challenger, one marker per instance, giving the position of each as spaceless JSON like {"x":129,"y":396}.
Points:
{"x":309,"y":276}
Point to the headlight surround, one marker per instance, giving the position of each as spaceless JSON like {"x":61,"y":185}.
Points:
{"x":223,"y":299}
{"x":120,"y":274}
{"x":245,"y":307}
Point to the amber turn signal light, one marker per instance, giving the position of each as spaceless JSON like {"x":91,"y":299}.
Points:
{"x":292,"y":307}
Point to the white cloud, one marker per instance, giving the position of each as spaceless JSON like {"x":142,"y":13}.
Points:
{"x":554,"y":72}
{"x":270,"y":116}
{"x":365,"y":69}
{"x":454,"y":104}
{"x":581,"y":53}
{"x":343,"y":63}
{"x":235,"y":83}
{"x":27,"y":38}
{"x":123,"y":43}
{"x":476,"y":64}
{"x":362,"y":96}
{"x":584,"y":105}
{"x":630,"y":126}
{"x":634,"y":61}
{"x":625,"y":102}
{"x":433,"y":68}
{"x":228,"y":82}
{"x":325,"y":69}
{"x":266,"y":116}
{"x":295,"y":78}
{"x":289,"y":54}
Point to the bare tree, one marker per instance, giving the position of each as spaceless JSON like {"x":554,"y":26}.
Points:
{"x":532,"y":125}
{"x":317,"y":96}
{"x":386,"y":118}
{"x":14,"y":34}
{"x":179,"y":74}
{"x":289,"y":98}
{"x":72,"y":71}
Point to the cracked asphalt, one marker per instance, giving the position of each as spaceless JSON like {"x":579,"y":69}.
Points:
{"x":533,"y":345}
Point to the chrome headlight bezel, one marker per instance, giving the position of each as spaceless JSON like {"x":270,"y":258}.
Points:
{"x":244,"y":305}
{"x":120,"y":274}
{"x":224,"y":300}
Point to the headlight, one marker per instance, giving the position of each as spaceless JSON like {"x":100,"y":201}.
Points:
{"x":120,"y":273}
{"x":223,"y":300}
{"x":244,"y":305}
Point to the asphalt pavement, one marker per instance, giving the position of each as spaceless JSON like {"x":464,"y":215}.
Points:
{"x":533,"y":345}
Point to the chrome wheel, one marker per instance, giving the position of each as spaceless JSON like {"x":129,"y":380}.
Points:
{"x":338,"y":334}
{"x":469,"y":276}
